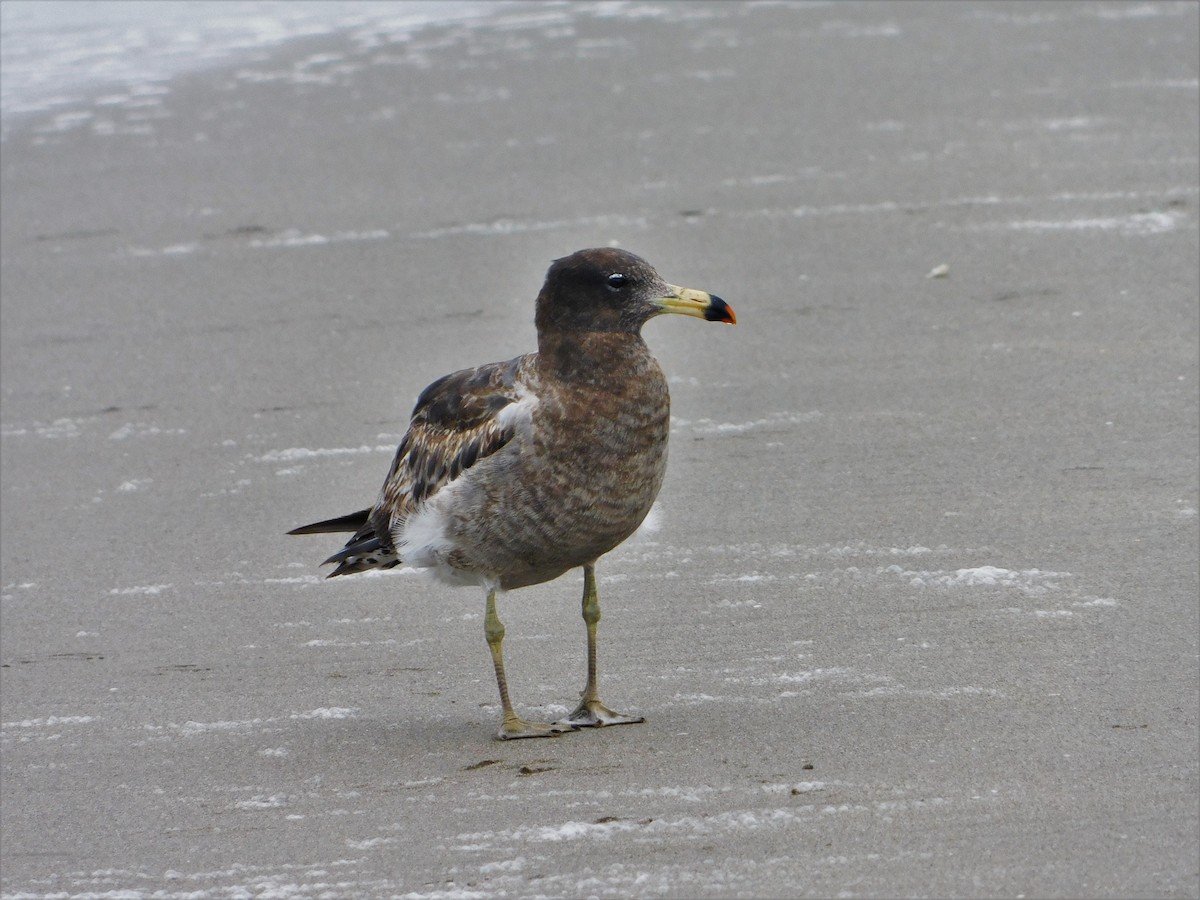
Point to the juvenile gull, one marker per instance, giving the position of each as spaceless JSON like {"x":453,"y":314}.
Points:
{"x":514,"y":472}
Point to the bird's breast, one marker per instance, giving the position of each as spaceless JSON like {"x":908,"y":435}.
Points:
{"x":600,"y":452}
{"x":575,"y":482}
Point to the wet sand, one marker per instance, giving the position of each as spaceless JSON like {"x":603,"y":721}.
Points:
{"x":921,"y":615}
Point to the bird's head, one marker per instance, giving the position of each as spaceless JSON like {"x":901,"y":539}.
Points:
{"x":605,"y":289}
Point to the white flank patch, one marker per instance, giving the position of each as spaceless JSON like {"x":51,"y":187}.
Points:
{"x":421,"y":540}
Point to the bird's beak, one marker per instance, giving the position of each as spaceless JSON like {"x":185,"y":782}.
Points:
{"x":689,"y":302}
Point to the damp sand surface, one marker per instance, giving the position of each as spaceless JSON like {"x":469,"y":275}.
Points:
{"x":919,"y":616}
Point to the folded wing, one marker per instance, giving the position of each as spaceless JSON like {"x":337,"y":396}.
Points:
{"x":458,"y":420}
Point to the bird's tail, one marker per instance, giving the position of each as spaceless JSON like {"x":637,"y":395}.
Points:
{"x":356,"y":521}
{"x":367,"y":549}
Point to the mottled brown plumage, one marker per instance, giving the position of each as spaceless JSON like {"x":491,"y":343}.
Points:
{"x":512,"y":473}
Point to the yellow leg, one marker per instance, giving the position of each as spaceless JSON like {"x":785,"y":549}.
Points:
{"x":591,"y":713}
{"x":513,"y":726}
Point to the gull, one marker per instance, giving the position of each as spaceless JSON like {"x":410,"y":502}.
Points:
{"x":516,"y":472}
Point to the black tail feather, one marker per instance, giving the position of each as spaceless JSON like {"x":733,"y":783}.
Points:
{"x":355,"y":521}
{"x":365,"y":550}
{"x":356,"y":564}
{"x":362,"y":552}
{"x":367,"y":547}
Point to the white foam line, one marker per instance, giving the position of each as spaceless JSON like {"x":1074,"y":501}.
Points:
{"x":1131,"y":11}
{"x":1097,"y":601}
{"x":1031,"y":581}
{"x":49,"y":722}
{"x":899,"y":690}
{"x":746,"y":552}
{"x":140,"y":429}
{"x":896,"y":206}
{"x":501,"y":227}
{"x":192,"y":728}
{"x":836,"y":673}
{"x":291,"y":454}
{"x":259,"y":801}
{"x":721,"y":823}
{"x":332,"y":712}
{"x":294,"y":579}
{"x":799,"y":787}
{"x":1135,"y":224}
{"x":145,"y":589}
{"x":59,"y":428}
{"x":293,"y":237}
{"x":708,"y":426}
{"x":1186,"y":84}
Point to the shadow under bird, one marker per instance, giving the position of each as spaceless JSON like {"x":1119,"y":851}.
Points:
{"x":513,"y":473}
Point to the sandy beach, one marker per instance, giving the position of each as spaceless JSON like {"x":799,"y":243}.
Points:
{"x":920,"y":617}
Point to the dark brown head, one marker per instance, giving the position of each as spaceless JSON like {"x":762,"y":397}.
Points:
{"x":605,"y":289}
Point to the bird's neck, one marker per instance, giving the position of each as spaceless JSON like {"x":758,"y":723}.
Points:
{"x":588,"y":356}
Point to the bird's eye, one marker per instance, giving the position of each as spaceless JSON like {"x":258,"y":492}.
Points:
{"x":616,"y":281}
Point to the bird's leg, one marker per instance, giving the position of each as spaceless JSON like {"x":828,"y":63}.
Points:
{"x":591,"y":712}
{"x":513,"y":726}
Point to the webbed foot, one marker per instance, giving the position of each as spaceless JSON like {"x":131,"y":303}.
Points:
{"x":594,"y":714}
{"x":514,"y":728}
